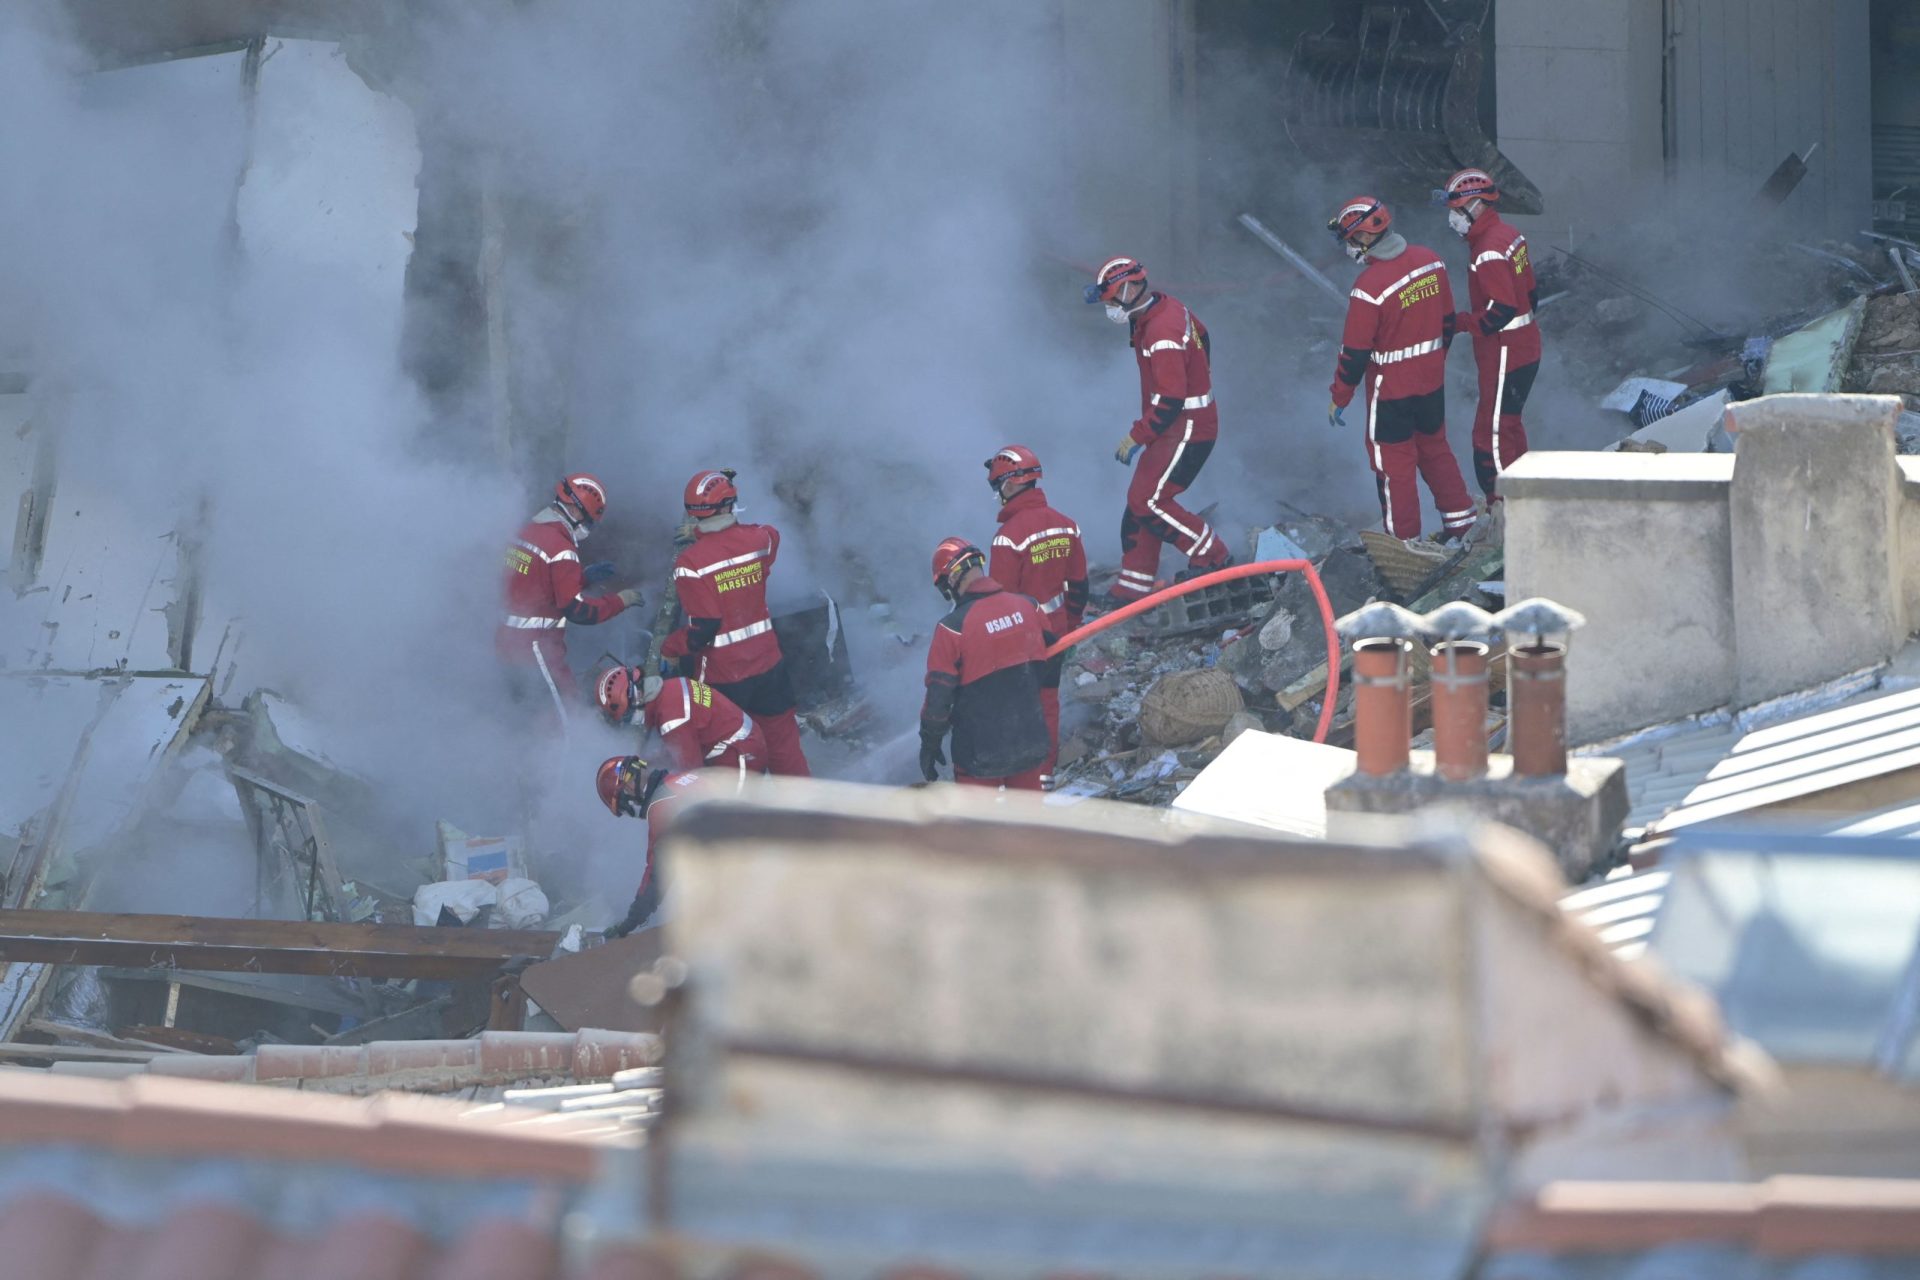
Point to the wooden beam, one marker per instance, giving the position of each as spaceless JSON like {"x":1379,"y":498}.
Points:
{"x":265,"y":946}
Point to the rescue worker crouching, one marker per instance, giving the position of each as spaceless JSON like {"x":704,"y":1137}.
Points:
{"x":699,"y":726}
{"x":1038,"y":553}
{"x":1400,"y":319}
{"x":728,"y":642}
{"x":545,"y":591}
{"x":629,"y":789}
{"x":1173,"y":436}
{"x":984,"y":674}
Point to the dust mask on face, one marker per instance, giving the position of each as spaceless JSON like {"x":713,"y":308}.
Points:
{"x":1459,"y":221}
{"x":1116,"y":313}
{"x":1357,"y":252}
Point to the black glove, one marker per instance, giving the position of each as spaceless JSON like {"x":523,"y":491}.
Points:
{"x":931,"y":758}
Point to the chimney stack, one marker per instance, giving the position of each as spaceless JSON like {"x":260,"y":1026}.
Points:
{"x":1460,"y":640}
{"x":1381,"y":636}
{"x":1537,"y":634}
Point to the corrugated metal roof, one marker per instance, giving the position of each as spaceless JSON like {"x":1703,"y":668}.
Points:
{"x":1723,"y":762}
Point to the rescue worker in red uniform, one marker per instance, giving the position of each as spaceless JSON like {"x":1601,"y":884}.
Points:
{"x":728,"y":641}
{"x":546,"y":591}
{"x":1038,"y":553}
{"x":1506,"y":342}
{"x":628,"y":789}
{"x":1400,"y":319}
{"x":983,"y":678}
{"x":700,"y":727}
{"x":1173,"y":435}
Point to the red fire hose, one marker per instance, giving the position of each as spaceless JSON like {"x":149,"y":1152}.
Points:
{"x":1165,"y":594}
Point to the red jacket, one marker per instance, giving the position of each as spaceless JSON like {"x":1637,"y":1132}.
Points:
{"x":1176,"y":379}
{"x":1399,"y":320}
{"x":695,"y":722}
{"x":983,"y":682}
{"x":1501,"y":290}
{"x":722,"y":584}
{"x":1038,"y":552}
{"x":543,"y":593}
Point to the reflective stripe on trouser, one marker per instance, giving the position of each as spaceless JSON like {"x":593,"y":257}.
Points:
{"x":554,"y":673}
{"x":1401,"y":457}
{"x":1499,"y":436}
{"x":749,"y":754}
{"x":1153,"y":516}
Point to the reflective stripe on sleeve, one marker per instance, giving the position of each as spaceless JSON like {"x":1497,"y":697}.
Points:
{"x":534,"y":624}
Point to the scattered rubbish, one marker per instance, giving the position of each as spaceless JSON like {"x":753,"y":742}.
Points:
{"x":1405,"y":565}
{"x":1784,"y":178}
{"x":1632,"y":393}
{"x":465,"y":899}
{"x":490,"y":858}
{"x":522,"y":904}
{"x":1695,"y":428}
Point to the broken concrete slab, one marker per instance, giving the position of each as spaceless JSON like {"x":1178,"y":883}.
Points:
{"x":1815,"y":358}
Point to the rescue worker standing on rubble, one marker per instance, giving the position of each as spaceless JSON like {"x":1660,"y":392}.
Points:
{"x":699,"y":726}
{"x":1400,"y":319}
{"x":1506,"y":341}
{"x":983,"y":678}
{"x":546,"y":590}
{"x":1173,"y":435}
{"x":629,"y":789}
{"x":1038,"y":553}
{"x":728,"y":641}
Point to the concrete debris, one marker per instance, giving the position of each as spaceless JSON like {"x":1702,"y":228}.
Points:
{"x":1616,"y":314}
{"x":1815,"y":358}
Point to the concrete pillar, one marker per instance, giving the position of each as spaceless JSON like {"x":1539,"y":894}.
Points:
{"x":1814,"y":525}
{"x":1638,"y":543}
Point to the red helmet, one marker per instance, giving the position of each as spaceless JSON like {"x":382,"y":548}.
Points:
{"x":1015,"y":462}
{"x":621,"y":782}
{"x":952,"y":558}
{"x":710,"y":493}
{"x":1114,"y":276}
{"x":618,"y":693}
{"x":1466,"y":186}
{"x":582,"y":498}
{"x":1362,"y":213}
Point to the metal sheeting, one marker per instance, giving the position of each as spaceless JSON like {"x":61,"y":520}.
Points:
{"x":1751,"y":80}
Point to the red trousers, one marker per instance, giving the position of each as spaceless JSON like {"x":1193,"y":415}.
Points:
{"x":1050,"y":709}
{"x":1161,"y":474}
{"x":1406,"y":439}
{"x":1499,"y":437}
{"x":1028,"y":781}
{"x":782,"y":734}
{"x":749,"y":755}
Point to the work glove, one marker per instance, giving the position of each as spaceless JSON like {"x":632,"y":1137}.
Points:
{"x":1127,"y":450}
{"x":931,"y":758}
{"x":1336,"y":415}
{"x":685,"y":534}
{"x":630,"y":597}
{"x":598,"y":571}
